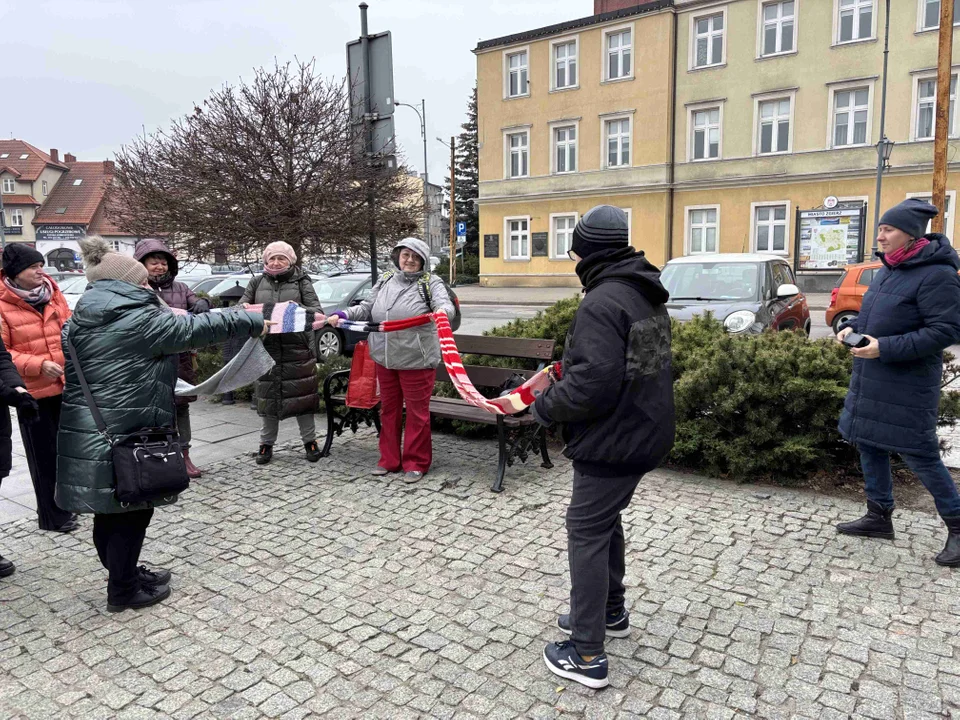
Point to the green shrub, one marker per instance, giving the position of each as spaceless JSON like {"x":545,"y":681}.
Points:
{"x":468,"y":271}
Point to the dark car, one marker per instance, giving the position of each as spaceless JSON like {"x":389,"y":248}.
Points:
{"x":338,"y":292}
{"x":748,"y":293}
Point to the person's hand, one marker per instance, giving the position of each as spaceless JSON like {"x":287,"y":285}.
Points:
{"x":50,"y":369}
{"x":27,"y":408}
{"x":266,"y":327}
{"x":868,"y":352}
{"x":244,"y":305}
{"x":333,"y":320}
{"x":843,"y":333}
{"x":441,"y":311}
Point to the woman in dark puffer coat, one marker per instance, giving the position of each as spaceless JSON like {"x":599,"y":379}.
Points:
{"x":125,"y":340}
{"x":290,"y":388}
{"x":910,"y":314}
{"x":162,"y":268}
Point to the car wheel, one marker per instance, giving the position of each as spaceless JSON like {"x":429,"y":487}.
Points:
{"x":329,"y":343}
{"x":841,"y":318}
{"x":806,"y":328}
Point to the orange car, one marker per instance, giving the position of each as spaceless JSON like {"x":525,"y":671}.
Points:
{"x":847,"y":297}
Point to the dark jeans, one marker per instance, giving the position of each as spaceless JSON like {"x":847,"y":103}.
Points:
{"x":183,"y":426}
{"x":40,"y":445}
{"x":596,"y":551}
{"x":119,"y":537}
{"x":934,"y":475}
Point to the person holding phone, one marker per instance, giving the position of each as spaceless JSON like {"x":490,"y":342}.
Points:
{"x":910,"y":314}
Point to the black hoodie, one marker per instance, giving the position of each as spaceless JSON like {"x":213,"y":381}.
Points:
{"x":615,"y":400}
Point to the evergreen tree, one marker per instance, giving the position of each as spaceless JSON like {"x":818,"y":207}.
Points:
{"x":468,"y":177}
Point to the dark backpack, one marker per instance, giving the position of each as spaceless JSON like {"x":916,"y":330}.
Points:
{"x":423,"y":285}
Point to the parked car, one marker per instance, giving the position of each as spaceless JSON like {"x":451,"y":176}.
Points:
{"x":847,"y":297}
{"x":192,"y":280}
{"x":338,"y":292}
{"x":216,"y":284}
{"x":72,"y":287}
{"x":747,"y":292}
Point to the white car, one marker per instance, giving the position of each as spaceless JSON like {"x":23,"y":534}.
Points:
{"x":72,"y":287}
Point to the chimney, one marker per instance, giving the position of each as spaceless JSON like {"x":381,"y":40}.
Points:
{"x":605,"y":6}
{"x":55,"y":155}
{"x":108,"y":167}
{"x":69,"y":158}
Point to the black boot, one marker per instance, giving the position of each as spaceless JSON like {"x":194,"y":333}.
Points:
{"x":950,"y":556}
{"x":876,"y":523}
{"x":265,"y":455}
{"x":6,"y":567}
{"x":313,"y":452}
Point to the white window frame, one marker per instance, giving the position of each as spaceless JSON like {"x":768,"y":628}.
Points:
{"x":629,"y":213}
{"x":604,"y":119}
{"x":761,"y":26}
{"x":45,"y":187}
{"x":688,"y":229}
{"x":561,"y":125}
{"x":506,"y":235}
{"x":921,"y":17}
{"x":787,"y":222}
{"x":575,"y":41}
{"x":604,"y":58}
{"x":767,"y":97}
{"x":507,"y":134}
{"x":915,"y":105}
{"x":836,"y":24}
{"x":832,"y":114}
{"x":507,"y":54}
{"x":712,"y":12}
{"x":16,"y":217}
{"x":948,"y":218}
{"x":9,"y":186}
{"x":554,"y":255}
{"x":691,"y":111}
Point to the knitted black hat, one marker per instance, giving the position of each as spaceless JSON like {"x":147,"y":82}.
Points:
{"x":17,"y":257}
{"x":602,"y":228}
{"x":911,"y":216}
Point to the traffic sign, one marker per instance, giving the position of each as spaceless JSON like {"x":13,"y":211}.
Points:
{"x":461,"y":228}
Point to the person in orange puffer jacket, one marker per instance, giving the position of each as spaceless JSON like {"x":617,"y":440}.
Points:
{"x":33,"y":312}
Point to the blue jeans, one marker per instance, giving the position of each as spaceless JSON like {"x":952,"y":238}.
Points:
{"x":929,"y":468}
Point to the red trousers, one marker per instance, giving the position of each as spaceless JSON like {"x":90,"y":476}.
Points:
{"x":412,"y":388}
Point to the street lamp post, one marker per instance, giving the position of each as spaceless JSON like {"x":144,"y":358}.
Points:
{"x":453,"y":211}
{"x":426,"y":175}
{"x":885,"y":146}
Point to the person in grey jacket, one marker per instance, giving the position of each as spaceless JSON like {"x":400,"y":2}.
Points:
{"x":406,"y":359}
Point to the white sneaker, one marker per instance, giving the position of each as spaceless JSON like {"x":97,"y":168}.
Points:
{"x":412,"y":476}
{"x":379,"y":471}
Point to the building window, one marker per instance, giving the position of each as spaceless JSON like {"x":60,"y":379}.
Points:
{"x":619,"y":53}
{"x":705,"y":142}
{"x":517,"y":74}
{"x":9,"y":186}
{"x":708,"y":40}
{"x":778,"y":27}
{"x":518,"y":161}
{"x":78,"y":181}
{"x":855,"y":21}
{"x":703,"y":226}
{"x":4,"y":156}
{"x":518,"y":238}
{"x":44,"y":187}
{"x":927,"y":107}
{"x":951,"y":197}
{"x":774,"y":126}
{"x":562,"y":231}
{"x":565,"y":65}
{"x":770,"y":228}
{"x":851,"y":111}
{"x":629,"y":213}
{"x":565,"y":141}
{"x":25,"y":156}
{"x":617,"y":142}
{"x":930,"y":14}
{"x":16,"y":218}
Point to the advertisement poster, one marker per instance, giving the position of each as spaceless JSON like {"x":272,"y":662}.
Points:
{"x":829,"y":239}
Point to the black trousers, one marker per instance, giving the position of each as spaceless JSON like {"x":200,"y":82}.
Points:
{"x":40,"y":445}
{"x":596,"y":550}
{"x":119,"y":538}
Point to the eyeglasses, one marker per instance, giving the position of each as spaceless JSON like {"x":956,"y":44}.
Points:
{"x":571,"y":255}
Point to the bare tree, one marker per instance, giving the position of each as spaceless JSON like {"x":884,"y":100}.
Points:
{"x":274,"y":159}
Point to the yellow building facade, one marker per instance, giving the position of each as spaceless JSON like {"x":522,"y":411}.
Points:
{"x":725,"y":120}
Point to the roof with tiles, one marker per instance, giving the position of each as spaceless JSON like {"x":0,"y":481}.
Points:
{"x":76,"y":197}
{"x":25,"y":159}
{"x":9,"y":200}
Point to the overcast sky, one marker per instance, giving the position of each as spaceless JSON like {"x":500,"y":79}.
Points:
{"x":83,"y":76}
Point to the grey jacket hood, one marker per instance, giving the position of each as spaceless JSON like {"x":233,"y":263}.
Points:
{"x":415,"y":244}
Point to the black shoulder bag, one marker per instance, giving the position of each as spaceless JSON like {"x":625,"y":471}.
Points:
{"x":147,"y":463}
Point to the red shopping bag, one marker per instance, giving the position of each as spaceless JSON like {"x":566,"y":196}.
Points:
{"x":362,"y":391}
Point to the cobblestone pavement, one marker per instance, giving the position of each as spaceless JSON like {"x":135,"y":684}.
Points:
{"x":314,"y":590}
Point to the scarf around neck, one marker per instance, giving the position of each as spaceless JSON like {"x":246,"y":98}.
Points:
{"x":906,"y":252}
{"x":38,"y":296}
{"x":161,"y":282}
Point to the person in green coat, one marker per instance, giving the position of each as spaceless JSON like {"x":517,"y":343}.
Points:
{"x":127,"y":342}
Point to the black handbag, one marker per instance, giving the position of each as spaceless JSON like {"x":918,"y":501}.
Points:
{"x":147,"y":463}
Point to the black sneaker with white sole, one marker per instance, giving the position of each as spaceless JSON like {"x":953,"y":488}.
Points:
{"x":618,"y":624}
{"x":562,"y":659}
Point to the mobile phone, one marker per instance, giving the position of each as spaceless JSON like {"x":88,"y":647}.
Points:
{"x":856,"y":340}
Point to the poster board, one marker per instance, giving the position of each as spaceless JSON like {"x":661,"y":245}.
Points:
{"x":829,"y":240}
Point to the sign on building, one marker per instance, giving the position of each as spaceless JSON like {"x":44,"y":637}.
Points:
{"x":60,"y":233}
{"x":829,"y":239}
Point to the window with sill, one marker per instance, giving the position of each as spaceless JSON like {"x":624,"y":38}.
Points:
{"x":856,"y":20}
{"x":703,"y":230}
{"x":778,"y":27}
{"x":619,"y":51}
{"x":9,"y":186}
{"x":930,"y":10}
{"x":618,"y":142}
{"x":565,"y":65}
{"x":517,"y":84}
{"x":519,"y":161}
{"x":774,"y":130}
{"x":770,"y":228}
{"x":708,"y":40}
{"x":850,"y":113}
{"x":706,"y":134}
{"x":518,"y":239}
{"x":565,"y":140}
{"x":563,"y":235}
{"x":927,"y":107}
{"x":16,"y":218}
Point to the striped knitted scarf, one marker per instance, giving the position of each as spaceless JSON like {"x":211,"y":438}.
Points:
{"x":289,"y":317}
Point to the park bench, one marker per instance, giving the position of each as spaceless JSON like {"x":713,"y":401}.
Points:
{"x":518,"y":436}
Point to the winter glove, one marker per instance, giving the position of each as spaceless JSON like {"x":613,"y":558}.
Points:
{"x":26,"y":406}
{"x":202,"y":305}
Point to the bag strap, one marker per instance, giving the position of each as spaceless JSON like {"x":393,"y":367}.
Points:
{"x":94,"y":410}
{"x":424,"y":282}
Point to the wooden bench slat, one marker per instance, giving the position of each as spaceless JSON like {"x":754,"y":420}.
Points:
{"x":526,"y":348}
{"x":485,"y":377}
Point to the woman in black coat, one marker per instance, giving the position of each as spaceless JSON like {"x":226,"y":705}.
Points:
{"x":910,"y":314}
{"x":12,"y":394}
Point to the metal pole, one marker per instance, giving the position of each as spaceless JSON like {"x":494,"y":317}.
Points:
{"x":944,"y":59}
{"x":453,"y":211}
{"x":426,"y":174}
{"x":883,"y":121}
{"x":3,"y":221}
{"x":368,"y":125}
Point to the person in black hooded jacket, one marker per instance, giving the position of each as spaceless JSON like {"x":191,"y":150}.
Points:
{"x":615,"y":406}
